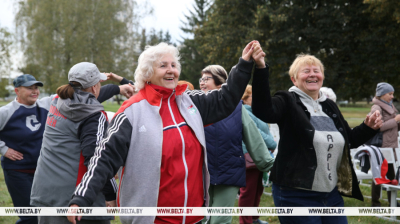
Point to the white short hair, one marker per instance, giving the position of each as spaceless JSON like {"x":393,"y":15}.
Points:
{"x":148,"y":57}
{"x":328,"y":92}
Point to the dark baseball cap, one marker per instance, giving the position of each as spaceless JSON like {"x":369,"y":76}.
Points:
{"x":26,"y":80}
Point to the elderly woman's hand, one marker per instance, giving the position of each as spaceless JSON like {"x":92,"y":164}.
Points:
{"x":248,"y":50}
{"x":258,"y":55}
{"x":374,"y":120}
{"x":72,"y":218}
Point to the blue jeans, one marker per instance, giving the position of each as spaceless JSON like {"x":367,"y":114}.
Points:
{"x":291,"y":197}
{"x":19,"y":186}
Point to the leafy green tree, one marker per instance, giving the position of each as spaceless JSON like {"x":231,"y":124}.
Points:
{"x":226,"y":31}
{"x":154,"y":38}
{"x":357,"y":41}
{"x":383,"y":50}
{"x":192,"y":61}
{"x":327,"y":29}
{"x":349,"y":42}
{"x":143,"y":40}
{"x":57,"y":34}
{"x":5,"y":61}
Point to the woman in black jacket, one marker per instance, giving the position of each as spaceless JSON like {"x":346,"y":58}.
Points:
{"x":313,"y":167}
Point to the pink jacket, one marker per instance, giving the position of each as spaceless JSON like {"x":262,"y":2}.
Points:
{"x":390,"y":127}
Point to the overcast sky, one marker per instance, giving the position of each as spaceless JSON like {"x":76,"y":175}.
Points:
{"x":167,"y":15}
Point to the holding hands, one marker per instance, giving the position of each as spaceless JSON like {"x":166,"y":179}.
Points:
{"x":254,"y":51}
{"x":258,"y":55}
{"x":374,"y":120}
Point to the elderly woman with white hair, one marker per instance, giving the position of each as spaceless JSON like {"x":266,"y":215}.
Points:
{"x":157,"y":136}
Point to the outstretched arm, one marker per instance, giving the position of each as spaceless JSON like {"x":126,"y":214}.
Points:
{"x":218,"y":104}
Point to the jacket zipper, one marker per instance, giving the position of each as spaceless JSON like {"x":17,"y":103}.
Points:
{"x":183,"y":154}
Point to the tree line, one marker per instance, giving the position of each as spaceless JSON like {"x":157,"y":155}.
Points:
{"x":357,"y":40}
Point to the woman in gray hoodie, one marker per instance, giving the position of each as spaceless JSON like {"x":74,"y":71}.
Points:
{"x":76,"y":122}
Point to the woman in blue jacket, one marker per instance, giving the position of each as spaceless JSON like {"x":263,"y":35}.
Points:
{"x":226,"y":163}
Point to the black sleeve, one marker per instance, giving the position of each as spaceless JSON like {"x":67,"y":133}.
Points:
{"x":108,"y":91}
{"x":126,"y":81}
{"x":218,"y":104}
{"x":110,"y":155}
{"x":110,"y":189}
{"x":91,"y":132}
{"x":267,"y":108}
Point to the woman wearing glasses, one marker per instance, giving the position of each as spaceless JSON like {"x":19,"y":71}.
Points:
{"x":226,"y":163}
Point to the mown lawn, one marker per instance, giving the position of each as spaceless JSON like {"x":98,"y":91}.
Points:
{"x":354,"y":115}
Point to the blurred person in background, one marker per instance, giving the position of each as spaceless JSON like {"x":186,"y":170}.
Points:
{"x":328,"y":92}
{"x":189,"y":85}
{"x":250,"y":195}
{"x":226,"y":160}
{"x":383,"y":102}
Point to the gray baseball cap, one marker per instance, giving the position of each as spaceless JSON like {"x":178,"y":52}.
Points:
{"x":86,"y":73}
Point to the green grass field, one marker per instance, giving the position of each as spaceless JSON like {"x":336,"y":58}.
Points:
{"x":354,"y":116}
{"x":266,"y":201}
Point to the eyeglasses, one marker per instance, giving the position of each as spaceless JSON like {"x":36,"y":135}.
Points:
{"x":205,"y":79}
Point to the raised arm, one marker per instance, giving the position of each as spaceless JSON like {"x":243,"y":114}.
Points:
{"x":267,"y":108}
{"x":218,"y":104}
{"x":110,"y":90}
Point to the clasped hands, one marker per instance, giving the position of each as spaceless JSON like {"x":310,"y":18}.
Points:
{"x":254,"y":51}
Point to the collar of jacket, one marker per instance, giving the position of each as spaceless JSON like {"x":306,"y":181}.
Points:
{"x":154,"y":97}
{"x":384,"y":106}
{"x":298,"y":101}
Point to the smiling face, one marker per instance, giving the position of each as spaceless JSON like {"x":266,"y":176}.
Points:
{"x":207,"y":83}
{"x":387,"y":97}
{"x":309,"y":79}
{"x":27,"y":94}
{"x":166,"y":74}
